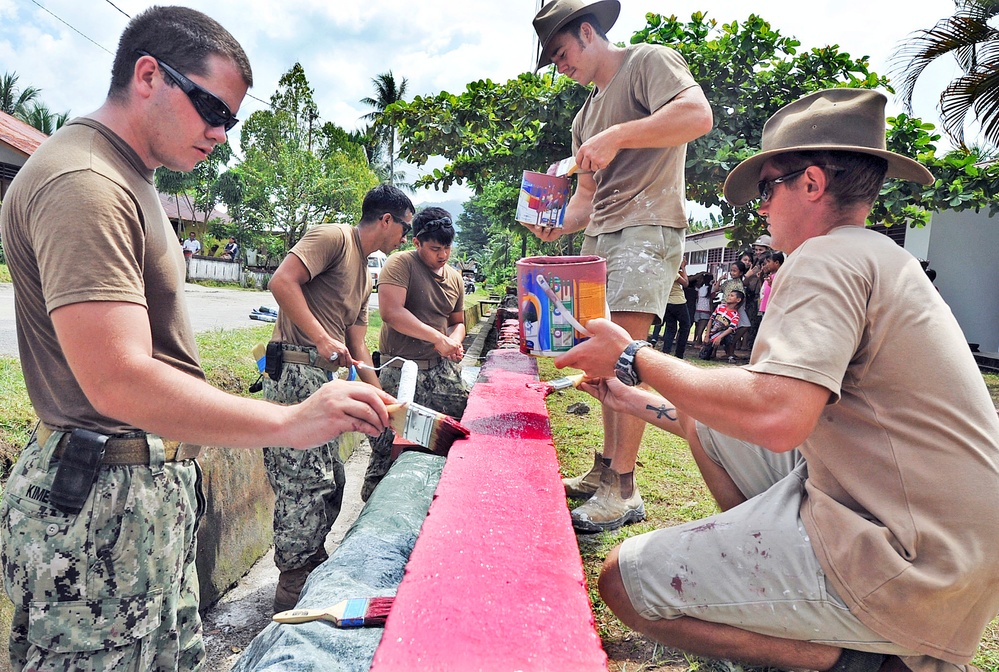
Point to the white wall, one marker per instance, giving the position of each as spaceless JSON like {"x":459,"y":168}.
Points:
{"x":963,"y":248}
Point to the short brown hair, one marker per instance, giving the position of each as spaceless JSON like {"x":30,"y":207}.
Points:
{"x":183,"y":38}
{"x":854,"y":178}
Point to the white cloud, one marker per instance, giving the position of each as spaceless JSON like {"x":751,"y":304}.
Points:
{"x":436,"y":44}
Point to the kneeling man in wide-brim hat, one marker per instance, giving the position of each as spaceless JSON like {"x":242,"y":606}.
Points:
{"x":838,"y":547}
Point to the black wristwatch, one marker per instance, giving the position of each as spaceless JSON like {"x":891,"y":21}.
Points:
{"x":625,"y":367}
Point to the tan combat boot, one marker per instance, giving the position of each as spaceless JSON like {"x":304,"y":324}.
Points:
{"x":583,"y":487}
{"x":607,"y":509}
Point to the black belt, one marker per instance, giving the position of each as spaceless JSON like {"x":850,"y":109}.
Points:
{"x":308,"y":358}
{"x":127,"y":450}
{"x":420,"y":363}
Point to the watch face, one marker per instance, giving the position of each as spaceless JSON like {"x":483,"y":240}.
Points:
{"x":625,"y":367}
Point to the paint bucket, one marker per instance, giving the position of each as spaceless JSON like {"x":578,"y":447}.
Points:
{"x":542,"y":199}
{"x":550,"y":287}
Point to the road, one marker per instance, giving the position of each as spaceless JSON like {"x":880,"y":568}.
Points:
{"x":209,"y":307}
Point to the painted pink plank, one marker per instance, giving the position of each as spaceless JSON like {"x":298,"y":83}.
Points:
{"x":495,"y":580}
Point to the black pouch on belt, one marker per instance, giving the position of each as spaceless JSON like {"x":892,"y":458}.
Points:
{"x":273,"y":361}
{"x":77,"y":472}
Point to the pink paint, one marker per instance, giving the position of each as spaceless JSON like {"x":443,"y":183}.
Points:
{"x":495,"y":581}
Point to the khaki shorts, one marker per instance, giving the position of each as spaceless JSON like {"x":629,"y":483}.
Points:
{"x":642,"y":264}
{"x":751,"y":567}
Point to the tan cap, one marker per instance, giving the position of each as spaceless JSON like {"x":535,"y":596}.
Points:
{"x":557,"y":14}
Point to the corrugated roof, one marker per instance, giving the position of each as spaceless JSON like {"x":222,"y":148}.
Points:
{"x":19,"y":136}
{"x":170,"y":205}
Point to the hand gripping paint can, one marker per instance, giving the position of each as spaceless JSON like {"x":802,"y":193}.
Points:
{"x":555,"y":292}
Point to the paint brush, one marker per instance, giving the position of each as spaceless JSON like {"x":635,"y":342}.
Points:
{"x":558,"y":384}
{"x":426,"y":427}
{"x":567,"y":314}
{"x":360,"y":612}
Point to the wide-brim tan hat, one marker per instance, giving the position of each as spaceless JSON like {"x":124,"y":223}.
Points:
{"x":555,"y":15}
{"x":847,"y":120}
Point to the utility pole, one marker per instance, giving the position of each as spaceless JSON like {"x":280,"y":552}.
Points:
{"x":535,"y":47}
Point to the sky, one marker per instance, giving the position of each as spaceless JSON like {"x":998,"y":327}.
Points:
{"x":65,"y":47}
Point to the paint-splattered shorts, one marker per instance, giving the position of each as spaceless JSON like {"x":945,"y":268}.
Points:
{"x":751,"y":567}
{"x":642,"y":263}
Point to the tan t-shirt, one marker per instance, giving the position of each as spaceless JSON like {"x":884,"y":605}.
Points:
{"x":339,"y":286}
{"x":430,"y":297}
{"x":83,"y":222}
{"x":902,"y":497}
{"x":641,"y":186}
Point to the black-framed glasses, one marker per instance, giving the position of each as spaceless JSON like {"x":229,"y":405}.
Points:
{"x":211,"y":108}
{"x":406,"y":226}
{"x":766,"y":187}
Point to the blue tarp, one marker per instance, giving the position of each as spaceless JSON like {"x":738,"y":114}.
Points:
{"x":368,"y":563}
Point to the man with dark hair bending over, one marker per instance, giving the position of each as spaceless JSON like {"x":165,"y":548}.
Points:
{"x":858,"y":527}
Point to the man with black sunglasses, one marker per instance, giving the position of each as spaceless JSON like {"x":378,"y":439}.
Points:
{"x":99,"y":515}
{"x":322,"y":288}
{"x":858,"y":529}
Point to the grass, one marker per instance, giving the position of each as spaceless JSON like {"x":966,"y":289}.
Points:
{"x":674,"y":493}
{"x":670,"y":482}
{"x":4,"y":273}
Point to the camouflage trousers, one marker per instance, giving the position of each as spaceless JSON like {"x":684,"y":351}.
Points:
{"x":308,"y":484}
{"x":440,"y":388}
{"x":113,"y":587}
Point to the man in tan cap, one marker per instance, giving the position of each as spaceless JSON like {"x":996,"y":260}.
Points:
{"x":858,"y":529}
{"x":629,"y":140}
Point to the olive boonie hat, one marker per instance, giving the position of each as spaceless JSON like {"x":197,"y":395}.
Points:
{"x":555,"y":15}
{"x":847,"y":120}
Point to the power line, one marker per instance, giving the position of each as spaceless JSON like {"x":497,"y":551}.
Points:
{"x":248,"y":94}
{"x":71,"y":27}
{"x":117,"y":7}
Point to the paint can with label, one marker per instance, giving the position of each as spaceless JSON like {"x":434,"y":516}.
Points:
{"x":543,"y":199}
{"x":556,"y":297}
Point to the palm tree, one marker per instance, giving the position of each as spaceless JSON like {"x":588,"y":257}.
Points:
{"x":13,"y":101}
{"x":45,"y":121}
{"x":975,"y":45}
{"x":386,"y":93}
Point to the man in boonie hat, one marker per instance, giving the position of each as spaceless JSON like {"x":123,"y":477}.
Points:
{"x":629,"y":141}
{"x":858,"y":527}
{"x":762,"y":244}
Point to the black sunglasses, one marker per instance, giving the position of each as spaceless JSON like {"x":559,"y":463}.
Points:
{"x":766,"y":187}
{"x":406,"y":226}
{"x":211,"y":108}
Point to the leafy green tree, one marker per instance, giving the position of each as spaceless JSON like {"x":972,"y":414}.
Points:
{"x":197,"y":187}
{"x":26,"y":106}
{"x":968,"y":37}
{"x":15,"y":101}
{"x":490,"y":131}
{"x":298,"y":171}
{"x":39,"y":116}
{"x":748,"y":70}
{"x":382,"y":132}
